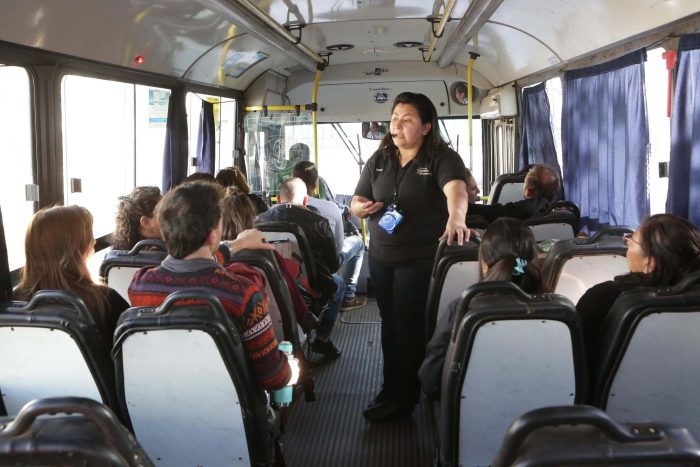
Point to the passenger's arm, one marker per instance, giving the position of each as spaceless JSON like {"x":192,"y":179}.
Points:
{"x":456,"y":228}
{"x":363,"y":207}
{"x":251,"y":239}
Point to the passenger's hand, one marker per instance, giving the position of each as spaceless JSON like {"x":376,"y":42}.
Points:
{"x":456,"y":229}
{"x":363,"y":207}
{"x":251,"y":239}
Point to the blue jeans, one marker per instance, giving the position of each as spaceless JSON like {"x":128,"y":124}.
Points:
{"x":331,"y":313}
{"x":351,"y":261}
{"x":401,"y":296}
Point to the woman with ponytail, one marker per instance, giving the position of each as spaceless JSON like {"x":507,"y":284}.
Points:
{"x":508,"y":252}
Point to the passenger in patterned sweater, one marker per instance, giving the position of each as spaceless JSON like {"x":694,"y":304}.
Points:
{"x":190,"y":221}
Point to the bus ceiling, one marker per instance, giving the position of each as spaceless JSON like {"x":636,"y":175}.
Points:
{"x":231,"y":44}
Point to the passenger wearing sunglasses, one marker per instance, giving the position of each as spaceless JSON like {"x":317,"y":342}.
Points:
{"x":661,"y":252}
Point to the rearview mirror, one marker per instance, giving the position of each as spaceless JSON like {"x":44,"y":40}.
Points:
{"x":374,"y":130}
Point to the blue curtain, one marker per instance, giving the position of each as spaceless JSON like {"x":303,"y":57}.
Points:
{"x":537,"y":143}
{"x":206,"y":139}
{"x":605,"y":142}
{"x":175,"y":152}
{"x":684,"y":166}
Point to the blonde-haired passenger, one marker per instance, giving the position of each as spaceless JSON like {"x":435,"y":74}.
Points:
{"x":235,"y":178}
{"x":58,"y":243}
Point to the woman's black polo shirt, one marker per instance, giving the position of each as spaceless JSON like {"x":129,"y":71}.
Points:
{"x":420,"y":200}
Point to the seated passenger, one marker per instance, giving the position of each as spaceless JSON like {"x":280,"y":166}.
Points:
{"x":237,"y":215}
{"x":508,"y":252}
{"x":199,"y":177}
{"x":292,"y":208}
{"x":351,"y":248}
{"x":58,"y":243}
{"x":472,"y":188}
{"x":233,"y":177}
{"x":662,"y":251}
{"x":541,"y":187}
{"x":135,"y":218}
{"x":190,"y":220}
{"x":374,"y":131}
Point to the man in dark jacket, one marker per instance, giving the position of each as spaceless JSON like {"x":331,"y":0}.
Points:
{"x":292,"y":208}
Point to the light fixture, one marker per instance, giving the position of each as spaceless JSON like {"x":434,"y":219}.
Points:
{"x":340,"y":47}
{"x":259,"y":25}
{"x":478,"y":12}
{"x":407,"y":44}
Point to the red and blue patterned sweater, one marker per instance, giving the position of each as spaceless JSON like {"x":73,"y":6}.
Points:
{"x":244,"y":302}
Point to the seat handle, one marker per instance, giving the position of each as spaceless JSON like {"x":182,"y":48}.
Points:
{"x":48,"y":296}
{"x":609,"y":231}
{"x":147,"y":243}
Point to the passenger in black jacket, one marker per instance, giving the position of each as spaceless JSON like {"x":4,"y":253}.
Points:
{"x":541,"y":187}
{"x":292,"y":208}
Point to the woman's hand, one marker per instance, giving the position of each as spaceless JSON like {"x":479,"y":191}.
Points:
{"x":363,"y":207}
{"x":456,"y":229}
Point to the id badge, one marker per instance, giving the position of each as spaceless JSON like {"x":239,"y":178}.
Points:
{"x":390,"y":219}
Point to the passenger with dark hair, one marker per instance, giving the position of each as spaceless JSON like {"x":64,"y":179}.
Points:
{"x":351,"y":249}
{"x":508,"y":252}
{"x":234,"y":177}
{"x":190,"y":220}
{"x":58,"y":243}
{"x":541,"y":188}
{"x":413,"y":190}
{"x":199,"y":177}
{"x":292,"y":208}
{"x":661,"y":252}
{"x":136,"y":220}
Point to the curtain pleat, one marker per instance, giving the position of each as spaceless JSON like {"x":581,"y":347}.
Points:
{"x":175,"y":152}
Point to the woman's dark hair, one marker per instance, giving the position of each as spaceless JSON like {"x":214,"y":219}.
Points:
{"x":674,"y":243}
{"x":232,"y":176}
{"x":427,"y":113}
{"x":237,"y":213}
{"x":506,"y":241}
{"x":140,"y":202}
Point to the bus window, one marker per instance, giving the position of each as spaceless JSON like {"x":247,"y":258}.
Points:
{"x":16,"y":151}
{"x":224,"y":123}
{"x":456,"y":132}
{"x":101,"y":146}
{"x":656,"y":78}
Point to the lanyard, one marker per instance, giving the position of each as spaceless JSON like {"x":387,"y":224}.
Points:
{"x":398,"y":178}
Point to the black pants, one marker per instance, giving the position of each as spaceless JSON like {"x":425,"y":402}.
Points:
{"x":401,"y":296}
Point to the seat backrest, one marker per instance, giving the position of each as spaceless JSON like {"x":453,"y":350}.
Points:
{"x":559,"y":221}
{"x":455,"y":269}
{"x":119,"y":266}
{"x":573,"y":266}
{"x":68,"y":431}
{"x":508,"y":188}
{"x":650,"y":357}
{"x":585,"y":435}
{"x":51,"y":347}
{"x":185,"y":383}
{"x":281,"y":308}
{"x":509,"y":353}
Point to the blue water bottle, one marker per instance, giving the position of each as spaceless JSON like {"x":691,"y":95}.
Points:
{"x":283,"y":397}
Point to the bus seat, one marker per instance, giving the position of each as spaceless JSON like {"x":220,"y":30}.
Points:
{"x":585,"y":435}
{"x":650,"y":359}
{"x":291,"y":242}
{"x":185,"y":383}
{"x":508,"y":188}
{"x":50,"y":347}
{"x":281,"y":308}
{"x":455,"y":268}
{"x":65,"y":431}
{"x":509,"y":353}
{"x":119,"y":266}
{"x":559,"y":221}
{"x":573,"y":266}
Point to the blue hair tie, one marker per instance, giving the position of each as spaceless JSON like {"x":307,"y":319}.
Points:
{"x":519,"y":268}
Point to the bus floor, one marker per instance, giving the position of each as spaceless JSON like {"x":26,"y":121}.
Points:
{"x":331,"y":431}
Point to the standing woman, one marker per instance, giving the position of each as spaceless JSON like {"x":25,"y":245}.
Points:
{"x":413,"y":190}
